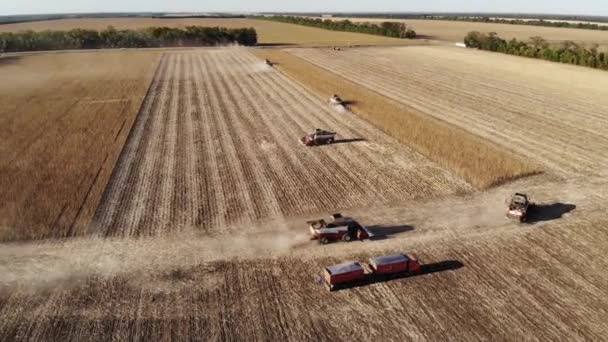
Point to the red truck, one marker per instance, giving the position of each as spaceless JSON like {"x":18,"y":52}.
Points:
{"x":378,"y":269}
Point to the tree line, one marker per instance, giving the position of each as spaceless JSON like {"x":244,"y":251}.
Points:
{"x":486,"y":19}
{"x":113,"y":38}
{"x":531,"y":22}
{"x":568,"y":52}
{"x":389,"y":29}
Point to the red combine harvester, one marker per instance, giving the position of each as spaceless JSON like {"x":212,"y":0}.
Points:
{"x":378,"y":269}
{"x":519,"y":207}
{"x":339,"y":228}
{"x":318,"y":137}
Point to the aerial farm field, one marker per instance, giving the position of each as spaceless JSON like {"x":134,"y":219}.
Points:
{"x":197,"y":191}
{"x":549,"y":113}
{"x":217,"y":143}
{"x":455,"y":31}
{"x":63,"y":121}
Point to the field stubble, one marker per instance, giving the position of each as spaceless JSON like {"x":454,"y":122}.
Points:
{"x":552,"y":114}
{"x":514,"y":283}
{"x":481,"y":163}
{"x":217,"y":144}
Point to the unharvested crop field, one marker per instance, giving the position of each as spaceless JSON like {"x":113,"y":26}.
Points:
{"x":553,"y":114}
{"x":455,"y":31}
{"x":63,"y":122}
{"x":268,"y":32}
{"x":217,"y":143}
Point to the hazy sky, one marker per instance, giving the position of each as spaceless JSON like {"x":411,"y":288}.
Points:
{"x":590,"y":7}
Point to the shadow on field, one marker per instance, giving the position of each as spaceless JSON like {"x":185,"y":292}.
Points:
{"x":441,"y":266}
{"x":9,"y":60}
{"x":275,"y":44}
{"x":347,"y":103}
{"x":548,"y":212}
{"x":385,"y":232}
{"x":346,"y":141}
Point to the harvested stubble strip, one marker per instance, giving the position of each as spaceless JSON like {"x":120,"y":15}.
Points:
{"x":476,"y":160}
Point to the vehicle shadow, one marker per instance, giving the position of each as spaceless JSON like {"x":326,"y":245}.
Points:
{"x":385,"y":232}
{"x":347,"y":103}
{"x":548,"y":212}
{"x":346,"y":141}
{"x":9,"y":60}
{"x":274,"y":44}
{"x":441,"y":266}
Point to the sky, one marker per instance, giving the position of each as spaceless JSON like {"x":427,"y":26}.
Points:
{"x":588,"y":7}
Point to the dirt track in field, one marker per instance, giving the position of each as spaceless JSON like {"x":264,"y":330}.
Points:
{"x":217,"y":143}
{"x":501,"y":280}
{"x":551,"y":113}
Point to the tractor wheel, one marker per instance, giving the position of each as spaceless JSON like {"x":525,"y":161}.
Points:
{"x":324,"y":240}
{"x":346,"y":238}
{"x":330,"y":140}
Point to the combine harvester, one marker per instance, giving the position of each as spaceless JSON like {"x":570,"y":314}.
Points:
{"x":335,"y":100}
{"x":378,"y":269}
{"x":319,"y":137}
{"x":339,"y":228}
{"x":519,"y":207}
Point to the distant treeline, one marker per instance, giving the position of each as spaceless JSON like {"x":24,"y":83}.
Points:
{"x":499,"y":19}
{"x":113,"y":38}
{"x":569,"y":52}
{"x":531,"y":22}
{"x":389,"y":29}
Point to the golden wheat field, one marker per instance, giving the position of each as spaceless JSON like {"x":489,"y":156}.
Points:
{"x":63,"y":121}
{"x":163,"y":195}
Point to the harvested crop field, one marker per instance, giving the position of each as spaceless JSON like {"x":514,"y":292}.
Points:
{"x":552,"y":114}
{"x":63,"y":121}
{"x":217,"y":144}
{"x":269,"y":32}
{"x":489,"y":280}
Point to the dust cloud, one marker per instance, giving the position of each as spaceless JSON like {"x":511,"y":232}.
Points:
{"x":63,"y":263}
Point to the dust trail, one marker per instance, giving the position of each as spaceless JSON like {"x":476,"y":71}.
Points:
{"x":61,"y":263}
{"x":259,"y":67}
{"x":339,"y":108}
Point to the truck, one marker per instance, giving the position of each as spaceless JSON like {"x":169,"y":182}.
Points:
{"x":519,"y":207}
{"x":337,"y":228}
{"x":377,"y":269}
{"x":318,"y":137}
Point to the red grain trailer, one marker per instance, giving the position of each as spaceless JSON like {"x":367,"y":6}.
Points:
{"x":342,"y":274}
{"x":394,"y":264}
